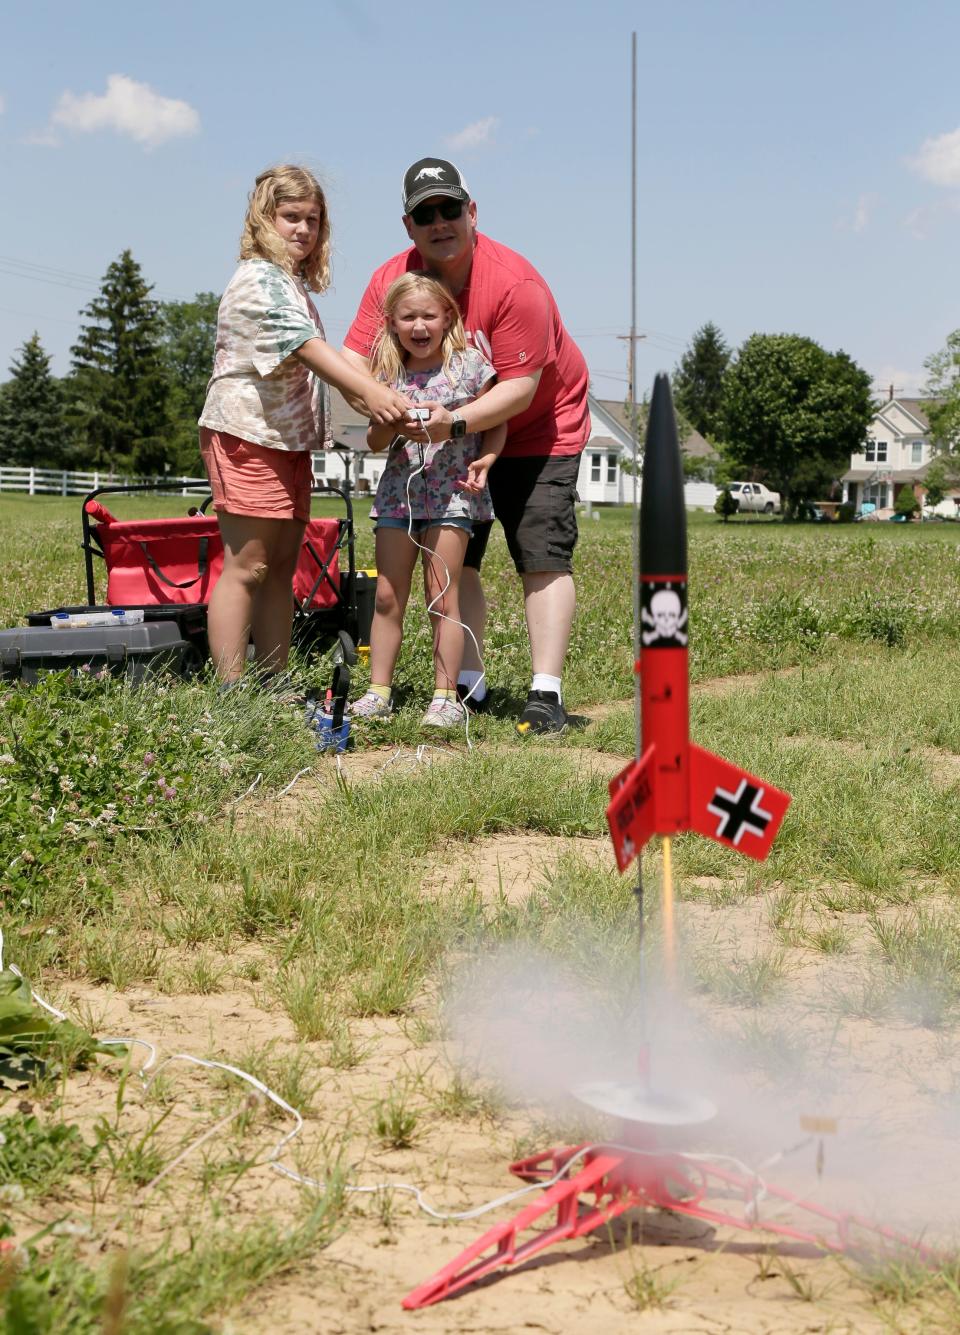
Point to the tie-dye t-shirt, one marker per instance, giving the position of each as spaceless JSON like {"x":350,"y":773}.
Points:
{"x":433,"y":495}
{"x":258,"y":391}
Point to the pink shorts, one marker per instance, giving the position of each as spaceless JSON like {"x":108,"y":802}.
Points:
{"x":254,"y":480}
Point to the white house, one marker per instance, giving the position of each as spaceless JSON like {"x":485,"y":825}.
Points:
{"x":602,"y":479}
{"x":896,"y":453}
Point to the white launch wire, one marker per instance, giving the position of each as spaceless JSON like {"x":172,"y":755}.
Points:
{"x":438,"y":598}
{"x":296,"y":779}
{"x":248,"y":791}
{"x":272,"y":1160}
{"x":418,"y":757}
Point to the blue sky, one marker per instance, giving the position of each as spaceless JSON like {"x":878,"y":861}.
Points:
{"x":799,"y":162}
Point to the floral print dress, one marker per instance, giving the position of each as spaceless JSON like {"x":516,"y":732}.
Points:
{"x":432,"y":491}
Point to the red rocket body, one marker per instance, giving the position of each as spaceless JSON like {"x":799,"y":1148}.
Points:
{"x":674,"y":785}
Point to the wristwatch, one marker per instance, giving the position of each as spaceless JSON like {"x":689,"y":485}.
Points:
{"x":458,"y":427}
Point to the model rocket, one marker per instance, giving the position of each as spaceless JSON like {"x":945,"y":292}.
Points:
{"x":674,"y":785}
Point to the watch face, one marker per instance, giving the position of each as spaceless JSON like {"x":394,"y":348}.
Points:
{"x":458,"y":428}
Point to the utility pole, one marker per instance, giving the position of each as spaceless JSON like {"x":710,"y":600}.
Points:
{"x":631,"y":340}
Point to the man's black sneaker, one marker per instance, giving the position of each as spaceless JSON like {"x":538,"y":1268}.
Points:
{"x":473,"y":705}
{"x":543,"y":713}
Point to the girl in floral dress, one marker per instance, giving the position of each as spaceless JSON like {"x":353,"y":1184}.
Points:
{"x":429,"y":494}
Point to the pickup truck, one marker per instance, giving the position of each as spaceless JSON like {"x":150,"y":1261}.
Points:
{"x":755,"y":497}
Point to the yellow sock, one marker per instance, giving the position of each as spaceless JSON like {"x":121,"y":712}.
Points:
{"x":444,"y":693}
{"x":382,"y":691}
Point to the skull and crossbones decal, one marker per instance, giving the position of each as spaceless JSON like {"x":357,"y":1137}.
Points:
{"x":665,"y":614}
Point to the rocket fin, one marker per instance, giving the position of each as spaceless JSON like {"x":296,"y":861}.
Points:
{"x":631,"y":814}
{"x":732,"y":806}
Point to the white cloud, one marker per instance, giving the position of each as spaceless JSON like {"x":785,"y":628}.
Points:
{"x":475,"y":134}
{"x":939,"y":159}
{"x":917,"y":222}
{"x":127,"y":107}
{"x":861,"y":215}
{"x":863,"y":210}
{"x":42,"y":138}
{"x":906,"y":383}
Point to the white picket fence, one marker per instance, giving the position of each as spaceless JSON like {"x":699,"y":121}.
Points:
{"x":59,"y":482}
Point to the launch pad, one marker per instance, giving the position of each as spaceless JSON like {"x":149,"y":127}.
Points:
{"x":586,"y":1187}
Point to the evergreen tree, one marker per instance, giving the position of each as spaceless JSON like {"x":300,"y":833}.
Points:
{"x":698,"y":380}
{"x":120,"y":385}
{"x":32,"y":427}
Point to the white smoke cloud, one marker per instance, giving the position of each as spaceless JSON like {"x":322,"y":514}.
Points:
{"x":820,"y":1116}
{"x":128,"y":108}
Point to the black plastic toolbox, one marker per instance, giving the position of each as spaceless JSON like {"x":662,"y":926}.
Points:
{"x":190,"y":618}
{"x":133,"y":651}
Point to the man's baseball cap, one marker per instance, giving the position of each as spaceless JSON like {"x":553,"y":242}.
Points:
{"x":432,"y":176}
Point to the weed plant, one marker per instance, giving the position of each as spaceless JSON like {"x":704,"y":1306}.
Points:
{"x":167,"y":1291}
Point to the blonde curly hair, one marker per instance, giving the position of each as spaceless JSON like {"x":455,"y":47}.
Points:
{"x":387,"y":356}
{"x":261,"y":240}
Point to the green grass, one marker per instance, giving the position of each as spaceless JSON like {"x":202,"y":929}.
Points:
{"x":113,"y":878}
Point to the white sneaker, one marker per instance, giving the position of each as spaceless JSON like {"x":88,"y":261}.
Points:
{"x":371,"y":705}
{"x":443,"y":713}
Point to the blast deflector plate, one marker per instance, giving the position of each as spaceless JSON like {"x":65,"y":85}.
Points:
{"x":633,"y":1101}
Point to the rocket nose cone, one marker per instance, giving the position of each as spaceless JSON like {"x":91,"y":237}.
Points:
{"x":663,"y":519}
{"x":662,"y":422}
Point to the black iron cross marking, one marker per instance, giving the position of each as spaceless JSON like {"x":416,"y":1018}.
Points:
{"x":739,"y":811}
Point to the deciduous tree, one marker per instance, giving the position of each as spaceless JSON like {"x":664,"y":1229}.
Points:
{"x":188,"y":336}
{"x":793,"y":413}
{"x":943,"y":385}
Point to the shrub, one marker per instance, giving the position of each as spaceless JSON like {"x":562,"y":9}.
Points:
{"x":725,"y":504}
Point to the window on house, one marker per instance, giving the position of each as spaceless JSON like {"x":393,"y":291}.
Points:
{"x":595,"y":467}
{"x":319,"y":465}
{"x":916,"y":452}
{"x":611,"y":468}
{"x":870,"y":451}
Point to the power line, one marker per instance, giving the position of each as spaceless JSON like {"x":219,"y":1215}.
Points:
{"x":65,"y":278}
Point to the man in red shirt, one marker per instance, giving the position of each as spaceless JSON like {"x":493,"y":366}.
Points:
{"x":541,"y":393}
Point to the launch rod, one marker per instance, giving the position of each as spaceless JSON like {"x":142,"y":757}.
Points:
{"x":669,"y":957}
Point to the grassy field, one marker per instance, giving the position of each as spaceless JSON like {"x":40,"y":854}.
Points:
{"x":161,"y":879}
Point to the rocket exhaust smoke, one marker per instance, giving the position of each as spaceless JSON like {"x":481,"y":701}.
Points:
{"x":822,"y":1122}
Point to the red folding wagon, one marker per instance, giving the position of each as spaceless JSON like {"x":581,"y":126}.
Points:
{"x":162,"y":572}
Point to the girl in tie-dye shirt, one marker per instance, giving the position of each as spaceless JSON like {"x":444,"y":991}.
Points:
{"x":266,"y":409}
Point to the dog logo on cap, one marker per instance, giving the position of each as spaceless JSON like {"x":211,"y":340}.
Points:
{"x":434,"y":173}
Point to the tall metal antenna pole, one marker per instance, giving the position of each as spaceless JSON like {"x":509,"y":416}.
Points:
{"x":638,"y":888}
{"x":633,"y":385}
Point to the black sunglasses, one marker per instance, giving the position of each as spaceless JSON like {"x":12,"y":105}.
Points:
{"x":424,"y":214}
